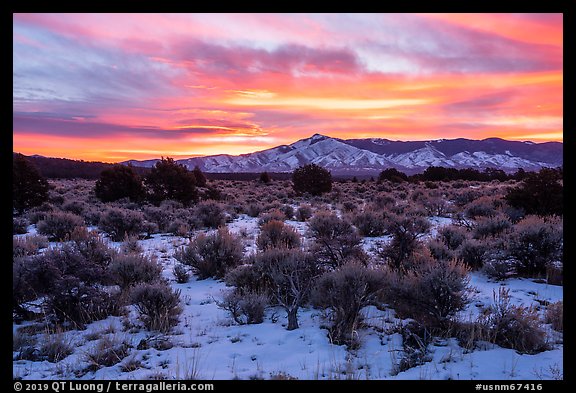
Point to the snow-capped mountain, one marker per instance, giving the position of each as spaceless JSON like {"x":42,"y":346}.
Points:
{"x":373,"y":155}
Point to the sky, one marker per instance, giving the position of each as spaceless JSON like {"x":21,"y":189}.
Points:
{"x":113,"y":87}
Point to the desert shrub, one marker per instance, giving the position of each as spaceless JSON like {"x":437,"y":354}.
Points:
{"x":118,"y":223}
{"x":19,"y":225}
{"x":288,"y":211}
{"x":303,"y":212}
{"x":254,"y":209}
{"x":345,"y":291}
{"x":70,"y":260}
{"x":480,"y":207}
{"x":435,"y":205}
{"x":31,"y":278}
{"x":59,"y":225}
{"x":107,"y":352}
{"x":384,"y":200}
{"x":170,"y":180}
{"x":92,"y":213}
{"x":290,"y":276}
{"x":130,"y":269}
{"x":415,"y":341}
{"x":130,"y":245}
{"x":179,"y":227}
{"x":163,"y":215}
{"x":66,"y":277}
{"x":555,"y":315}
{"x":452,"y":236}
{"x":72,"y":301}
{"x":248,"y":279}
{"x":349,"y":206}
{"x":439,"y":250}
{"x":212,"y":255}
{"x":491,"y":226}
{"x":555,"y":273}
{"x":28,"y":245}
{"x":406,"y":230}
{"x":539,"y":193}
{"x":512,"y":326}
{"x":312,"y":179}
{"x":473,"y":253}
{"x":92,"y":247}
{"x":181,"y":273}
{"x":431,"y":292}
{"x":247,"y":308}
{"x":158,"y":305}
{"x":370,"y":223}
{"x":276,"y":234}
{"x":498,"y":267}
{"x":119,"y":182}
{"x":465,"y":197}
{"x":54,"y":347}
{"x":272,"y":215}
{"x":75,"y":207}
{"x":209,"y":214}
{"x":335,"y":239}
{"x":29,"y":188}
{"x":25,"y":346}
{"x":534,"y":243}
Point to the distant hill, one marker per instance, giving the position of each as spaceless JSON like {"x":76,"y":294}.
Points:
{"x":64,"y":168}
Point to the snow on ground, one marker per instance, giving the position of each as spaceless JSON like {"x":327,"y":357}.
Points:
{"x":208,"y":345}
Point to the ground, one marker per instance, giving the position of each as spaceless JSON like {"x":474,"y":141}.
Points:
{"x":207,"y":344}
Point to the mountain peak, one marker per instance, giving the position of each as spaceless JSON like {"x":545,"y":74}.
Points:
{"x":318,"y":136}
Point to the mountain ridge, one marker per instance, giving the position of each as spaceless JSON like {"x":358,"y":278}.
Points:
{"x":371,"y":155}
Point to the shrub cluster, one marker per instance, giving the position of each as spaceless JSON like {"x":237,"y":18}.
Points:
{"x":212,"y":255}
{"x":406,"y":230}
{"x":431,"y":292}
{"x":512,"y":326}
{"x":59,"y":225}
{"x":335,"y":239}
{"x":369,"y":222}
{"x":345,"y":291}
{"x":209,"y":214}
{"x":245,"y":308}
{"x":119,"y":223}
{"x":276,"y":234}
{"x":128,"y":270}
{"x":69,"y":280}
{"x":158,"y":305}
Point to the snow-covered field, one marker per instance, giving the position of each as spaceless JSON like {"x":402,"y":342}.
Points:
{"x":207,"y":344}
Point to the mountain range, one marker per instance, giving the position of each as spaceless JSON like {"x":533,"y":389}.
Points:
{"x":347,"y":156}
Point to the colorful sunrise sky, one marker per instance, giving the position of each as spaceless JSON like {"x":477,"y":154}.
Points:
{"x":113,"y":87}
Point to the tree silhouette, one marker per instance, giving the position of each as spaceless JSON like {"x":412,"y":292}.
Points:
{"x":119,"y":182}
{"x":265,"y":178}
{"x":29,"y":189}
{"x":170,"y":180}
{"x":540,"y":193}
{"x":312,"y":179}
{"x":393,"y":175}
{"x":199,"y":176}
